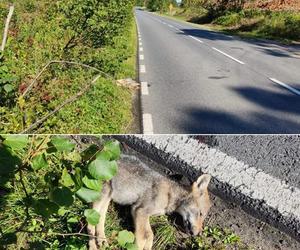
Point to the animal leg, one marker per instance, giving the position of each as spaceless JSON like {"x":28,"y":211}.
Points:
{"x":149,"y":236}
{"x":101,"y":207}
{"x":141,"y":233}
{"x":92,"y":240}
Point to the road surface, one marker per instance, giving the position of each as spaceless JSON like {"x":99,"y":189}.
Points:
{"x":263,"y":179}
{"x":199,"y":81}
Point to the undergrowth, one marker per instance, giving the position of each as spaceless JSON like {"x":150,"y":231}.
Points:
{"x":277,"y":25}
{"x":97,"y":33}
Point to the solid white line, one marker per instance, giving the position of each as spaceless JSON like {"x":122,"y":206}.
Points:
{"x":248,"y":180}
{"x":147,"y":124}
{"x":196,"y":39}
{"x":231,"y":57}
{"x":142,"y":68}
{"x":144,"y":87}
{"x":295,"y":91}
{"x":141,"y":49}
{"x":142,"y":57}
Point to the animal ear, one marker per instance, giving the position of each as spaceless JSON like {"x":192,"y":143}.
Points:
{"x":202,"y":183}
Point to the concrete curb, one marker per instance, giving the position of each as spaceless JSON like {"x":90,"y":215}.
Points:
{"x":257,"y":193}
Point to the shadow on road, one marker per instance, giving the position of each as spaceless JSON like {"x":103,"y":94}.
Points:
{"x":196,"y":120}
{"x":272,"y":48}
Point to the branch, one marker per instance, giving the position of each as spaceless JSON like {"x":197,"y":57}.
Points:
{"x":62,"y":62}
{"x":70,"y":100}
{"x":8,"y":19}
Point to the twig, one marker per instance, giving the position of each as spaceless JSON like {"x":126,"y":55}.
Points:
{"x":8,"y":19}
{"x":62,"y":62}
{"x":70,"y":100}
{"x":59,"y":234}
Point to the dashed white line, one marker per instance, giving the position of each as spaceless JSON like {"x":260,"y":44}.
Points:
{"x":144,"y":88}
{"x":141,"y":49}
{"x":142,"y":68}
{"x":140,"y":43}
{"x":196,"y":39}
{"x":147,"y":124}
{"x":171,"y":26}
{"x":295,"y":91}
{"x":142,"y":57}
{"x":231,"y":57}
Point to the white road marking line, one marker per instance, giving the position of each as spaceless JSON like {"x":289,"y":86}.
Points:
{"x":141,"y":44}
{"x":142,"y":57}
{"x":247,"y":179}
{"x":144,"y":87}
{"x":142,"y":68}
{"x":196,"y":39}
{"x":147,"y":124}
{"x":171,"y":26}
{"x":141,"y":49}
{"x":295,"y":91}
{"x":231,"y":57}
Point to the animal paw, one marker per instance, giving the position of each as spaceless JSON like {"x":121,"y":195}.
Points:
{"x":93,"y":245}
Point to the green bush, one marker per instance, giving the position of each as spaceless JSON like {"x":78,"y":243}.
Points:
{"x":46,"y":184}
{"x":95,"y":32}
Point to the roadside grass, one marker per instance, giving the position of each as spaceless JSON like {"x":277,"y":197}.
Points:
{"x":168,"y":236}
{"x":37,"y":36}
{"x":16,"y":217}
{"x":283,"y":26}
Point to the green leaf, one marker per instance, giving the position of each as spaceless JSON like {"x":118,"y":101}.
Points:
{"x":62,"y":196}
{"x":66,"y":178}
{"x":104,"y":155}
{"x":62,"y":144}
{"x":8,"y":162}
{"x":92,"y":183}
{"x":72,"y":220}
{"x":103,"y":169}
{"x":16,"y":142}
{"x":45,"y":207}
{"x":92,"y":216}
{"x":39,"y":162}
{"x":88,"y":153}
{"x":125,"y":237}
{"x":131,"y":246}
{"x":88,"y":195}
{"x":113,"y":147}
{"x":8,"y":88}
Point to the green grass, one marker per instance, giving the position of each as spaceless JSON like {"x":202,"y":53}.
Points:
{"x":38,"y":36}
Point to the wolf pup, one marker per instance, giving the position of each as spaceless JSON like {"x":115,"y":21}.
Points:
{"x":150,"y":193}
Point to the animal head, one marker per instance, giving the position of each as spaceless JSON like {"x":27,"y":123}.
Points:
{"x":194,"y":208}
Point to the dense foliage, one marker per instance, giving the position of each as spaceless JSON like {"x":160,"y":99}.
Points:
{"x":46,"y":183}
{"x":97,"y":33}
{"x":159,"y":5}
{"x":244,"y":17}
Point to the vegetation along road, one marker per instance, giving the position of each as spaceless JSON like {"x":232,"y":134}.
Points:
{"x":195,"y":80}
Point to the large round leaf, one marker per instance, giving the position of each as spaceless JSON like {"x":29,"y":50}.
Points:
{"x":92,"y":216}
{"x":45,"y":207}
{"x":92,"y":183}
{"x":88,"y":195}
{"x":16,"y":142}
{"x":62,"y":144}
{"x":113,"y":147}
{"x":39,"y":162}
{"x":125,"y":237}
{"x":62,"y":196}
{"x":103,"y":169}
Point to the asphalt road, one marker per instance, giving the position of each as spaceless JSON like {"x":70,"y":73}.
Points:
{"x":199,"y":81}
{"x":263,"y":179}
